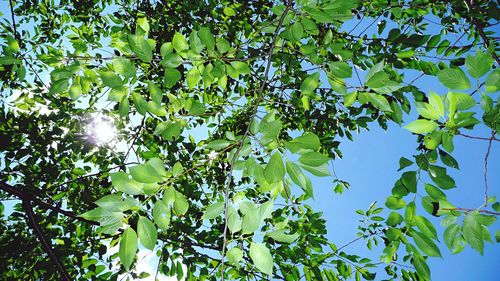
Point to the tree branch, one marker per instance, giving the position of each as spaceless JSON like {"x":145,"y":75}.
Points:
{"x":486,"y":168}
{"x":247,"y":131}
{"x":471,"y":210}
{"x":45,"y":243}
{"x":28,"y":197}
{"x":493,"y":138}
{"x":13,"y":19}
{"x":480,"y":30}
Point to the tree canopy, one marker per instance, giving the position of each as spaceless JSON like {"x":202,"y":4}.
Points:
{"x":195,"y":130}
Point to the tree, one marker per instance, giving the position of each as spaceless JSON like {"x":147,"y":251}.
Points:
{"x":224,"y":111}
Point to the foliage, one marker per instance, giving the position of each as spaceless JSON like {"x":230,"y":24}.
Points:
{"x":226,"y":111}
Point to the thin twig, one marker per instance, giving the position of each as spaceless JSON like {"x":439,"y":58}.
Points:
{"x":486,"y":168}
{"x":135,"y":138}
{"x":493,"y":138}
{"x":247,"y":131}
{"x":471,"y":210}
{"x":45,"y":243}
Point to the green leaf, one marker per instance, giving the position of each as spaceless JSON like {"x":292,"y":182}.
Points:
{"x":440,"y":177}
{"x":426,"y":244}
{"x":271,"y":129}
{"x":427,"y":111}
{"x":101,"y":215}
{"x":404,"y":162}
{"x":450,"y":236}
{"x":479,"y":64}
{"x":128,"y":247}
{"x":448,"y":160}
{"x":75,"y":91}
{"x":394,"y":203}
{"x":310,"y":83}
{"x":281,"y":236}
{"x":172,"y":61}
{"x":171,"y":77}
{"x":410,"y":213}
{"x":432,"y":140}
{"x":161,"y":214}
{"x":320,"y":16}
{"x":147,"y":233}
{"x":350,"y":98}
{"x":218,"y":144}
{"x":116,"y":203}
{"x":472,"y":232}
{"x":379,"y":101}
{"x":297,"y":31}
{"x":313,"y":158}
{"x":145,"y":173}
{"x":233,"y":220}
{"x":261,"y":258}
{"x":123,"y":183}
{"x":426,"y":227}
{"x":492,"y":83}
{"x":378,"y":80}
{"x":179,"y":42}
{"x":421,"y":126}
{"x":454,"y":78}
{"x":58,"y":86}
{"x":409,"y":180}
{"x":340,"y":69}
{"x":193,"y":77}
{"x":297,"y":175}
{"x":497,"y":236}
{"x":436,"y":102}
{"x":394,"y":219}
{"x":207,"y":38}
{"x":240,"y":67}
{"x":235,"y":255}
{"x":195,"y":42}
{"x":459,"y":101}
{"x":320,"y":171}
{"x":421,"y":267}
{"x":140,"y":47}
{"x":213,"y":210}
{"x":110,"y":79}
{"x":275,"y":170}
{"x":223,"y":46}
{"x":181,"y":205}
{"x":304,"y":142}
{"x":166,"y":49}
{"x":266,"y":209}
{"x":434,"y":192}
{"x":124,"y":67}
{"x":143,"y":24}
{"x":251,"y":220}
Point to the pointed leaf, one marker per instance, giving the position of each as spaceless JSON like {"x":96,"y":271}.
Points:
{"x":261,"y":258}
{"x":128,"y":247}
{"x":275,"y":170}
{"x":421,"y":126}
{"x":454,"y":78}
{"x":147,"y":233}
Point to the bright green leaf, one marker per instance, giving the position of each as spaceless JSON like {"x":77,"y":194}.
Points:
{"x":128,"y":247}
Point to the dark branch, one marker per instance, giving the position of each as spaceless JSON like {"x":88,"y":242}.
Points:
{"x":480,"y":30}
{"x":45,"y":243}
{"x":13,"y":19}
{"x":28,"y":197}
